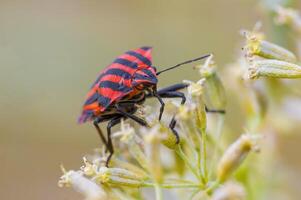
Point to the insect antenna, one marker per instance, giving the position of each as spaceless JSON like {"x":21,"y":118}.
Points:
{"x":184,"y":63}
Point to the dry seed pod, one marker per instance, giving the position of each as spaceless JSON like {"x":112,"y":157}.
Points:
{"x":258,"y":47}
{"x":274,"y":69}
{"x":119,"y":177}
{"x":234,"y":155}
{"x":230,"y":191}
{"x":214,"y":92}
{"x":196,"y":92}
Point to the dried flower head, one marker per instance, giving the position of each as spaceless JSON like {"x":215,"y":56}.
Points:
{"x":118,"y":177}
{"x":234,"y":155}
{"x":256,"y":46}
{"x":274,"y":69}
{"x":214,"y":93}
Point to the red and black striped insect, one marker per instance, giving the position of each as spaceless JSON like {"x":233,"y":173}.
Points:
{"x":123,"y":85}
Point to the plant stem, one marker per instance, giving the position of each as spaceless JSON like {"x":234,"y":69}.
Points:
{"x":158,"y":191}
{"x":172,"y":185}
{"x":187,"y":161}
{"x":217,"y":139}
{"x":204,"y":174}
{"x":212,"y":187}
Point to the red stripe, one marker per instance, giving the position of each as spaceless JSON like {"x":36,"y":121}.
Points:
{"x":92,"y":91}
{"x":147,"y":54}
{"x":93,"y":106}
{"x":112,"y":94}
{"x":141,"y":73}
{"x":117,"y":79}
{"x":132,"y":59}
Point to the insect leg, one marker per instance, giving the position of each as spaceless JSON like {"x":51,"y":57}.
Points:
{"x":214,"y":111}
{"x":110,"y":147}
{"x":174,"y":94}
{"x":119,"y":107}
{"x":180,"y":86}
{"x":155,"y":94}
{"x":172,"y":88}
{"x":100,"y":133}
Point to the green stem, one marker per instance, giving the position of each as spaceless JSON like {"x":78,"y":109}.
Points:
{"x":199,"y":161}
{"x":158,"y":191}
{"x":220,"y":125}
{"x":173,"y":185}
{"x":187,"y":161}
{"x":212,"y":187}
{"x":204,"y":174}
{"x":193,"y":194}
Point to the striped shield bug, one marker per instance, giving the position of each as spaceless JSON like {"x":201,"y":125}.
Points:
{"x":123,"y":85}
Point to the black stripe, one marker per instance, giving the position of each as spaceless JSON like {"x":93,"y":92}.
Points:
{"x":114,"y":86}
{"x":126,"y":62}
{"x":145,"y":48}
{"x":92,"y":98}
{"x":117,"y":72}
{"x":140,"y":57}
{"x":103,"y":101}
{"x":148,"y":72}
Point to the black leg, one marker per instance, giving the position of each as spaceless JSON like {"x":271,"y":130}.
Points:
{"x":174,"y":94}
{"x":111,"y":123}
{"x":103,"y":139}
{"x":119,"y":107}
{"x":173,"y":88}
{"x":155,"y":94}
{"x":214,"y":111}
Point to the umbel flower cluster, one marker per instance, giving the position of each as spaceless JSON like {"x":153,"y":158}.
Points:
{"x":152,"y":158}
{"x":211,"y":161}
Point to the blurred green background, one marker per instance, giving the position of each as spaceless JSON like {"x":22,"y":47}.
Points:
{"x":51,"y":52}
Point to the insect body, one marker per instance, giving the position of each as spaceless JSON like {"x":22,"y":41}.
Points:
{"x":121,"y":86}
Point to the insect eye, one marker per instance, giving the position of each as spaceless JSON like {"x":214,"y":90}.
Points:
{"x":155,"y":68}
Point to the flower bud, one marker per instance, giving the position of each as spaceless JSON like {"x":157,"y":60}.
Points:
{"x":259,"y":47}
{"x":118,"y":177}
{"x":274,"y":69}
{"x":234,"y":155}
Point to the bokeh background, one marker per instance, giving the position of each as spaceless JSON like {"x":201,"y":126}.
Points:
{"x":52,"y":50}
